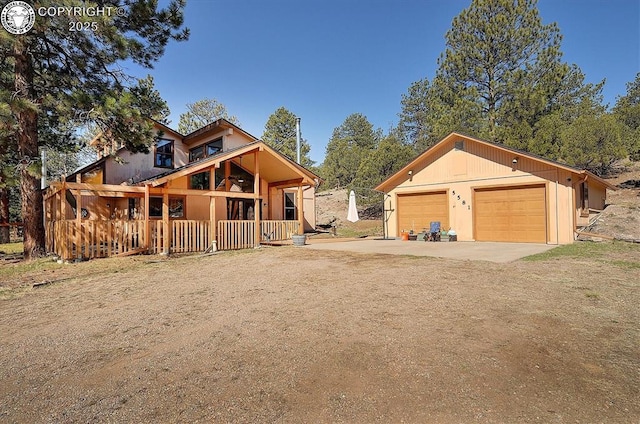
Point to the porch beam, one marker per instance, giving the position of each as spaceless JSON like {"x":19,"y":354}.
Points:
{"x":211,"y":193}
{"x":105,"y":187}
{"x":286,"y":183}
{"x":102,"y":193}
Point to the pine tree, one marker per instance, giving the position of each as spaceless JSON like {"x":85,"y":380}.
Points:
{"x":501,"y":57}
{"x":627,"y":111}
{"x":54,"y":80}
{"x":201,"y":113}
{"x":387,"y":158}
{"x":350,"y":144}
{"x":280,"y":133}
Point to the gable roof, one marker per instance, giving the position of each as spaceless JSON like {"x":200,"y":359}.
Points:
{"x":308,"y":177}
{"x":399,"y":176}
{"x":214,"y":127}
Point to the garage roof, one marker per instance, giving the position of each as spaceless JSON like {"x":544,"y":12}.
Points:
{"x":401,"y":175}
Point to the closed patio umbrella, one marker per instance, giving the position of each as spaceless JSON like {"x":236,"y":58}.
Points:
{"x":352,"y":215}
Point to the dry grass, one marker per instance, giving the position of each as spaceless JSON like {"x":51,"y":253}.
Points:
{"x":293,"y":335}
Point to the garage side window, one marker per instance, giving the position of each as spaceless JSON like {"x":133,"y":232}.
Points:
{"x":584,"y":195}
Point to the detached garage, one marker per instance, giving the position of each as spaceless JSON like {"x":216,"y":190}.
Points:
{"x":489,"y":192}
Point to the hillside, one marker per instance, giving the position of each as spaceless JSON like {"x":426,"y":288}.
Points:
{"x":332,"y":207}
{"x":621,"y":218}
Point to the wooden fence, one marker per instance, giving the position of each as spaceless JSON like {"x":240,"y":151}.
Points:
{"x":240,"y":234}
{"x":104,"y":238}
{"x":187,"y":235}
{"x":95,"y":238}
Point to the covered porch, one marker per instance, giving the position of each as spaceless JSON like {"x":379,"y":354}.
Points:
{"x":235,"y":200}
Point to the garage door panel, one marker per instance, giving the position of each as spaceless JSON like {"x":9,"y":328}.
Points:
{"x":515,"y":214}
{"x":417,"y":211}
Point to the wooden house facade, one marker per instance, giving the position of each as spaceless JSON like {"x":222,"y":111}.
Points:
{"x":217,"y":188}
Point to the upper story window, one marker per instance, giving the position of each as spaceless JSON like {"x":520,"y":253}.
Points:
{"x":164,"y":153}
{"x":205,"y":150}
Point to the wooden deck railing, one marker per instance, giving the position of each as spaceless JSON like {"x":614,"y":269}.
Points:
{"x":104,"y":238}
{"x":95,"y":238}
{"x":187,"y":235}
{"x":233,"y":235}
{"x":278,"y":230}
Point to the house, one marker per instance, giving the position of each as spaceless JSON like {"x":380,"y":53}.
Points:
{"x":211,"y":188}
{"x":489,"y":192}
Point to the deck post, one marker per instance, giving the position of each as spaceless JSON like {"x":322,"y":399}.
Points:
{"x":257,"y":207}
{"x":166,"y":231}
{"x":300,"y":210}
{"x":78,"y":254}
{"x":63,"y":219}
{"x":147,"y":226}
{"x":212,"y":209}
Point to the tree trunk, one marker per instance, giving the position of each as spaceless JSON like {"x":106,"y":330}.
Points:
{"x":5,"y":230}
{"x":27,"y":135}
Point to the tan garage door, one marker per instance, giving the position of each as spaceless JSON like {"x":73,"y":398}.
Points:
{"x":515,"y":214}
{"x":416,"y":211}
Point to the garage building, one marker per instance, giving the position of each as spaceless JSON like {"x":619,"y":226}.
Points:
{"x":489,"y":192}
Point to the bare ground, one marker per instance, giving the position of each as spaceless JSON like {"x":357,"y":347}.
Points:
{"x":290,"y":335}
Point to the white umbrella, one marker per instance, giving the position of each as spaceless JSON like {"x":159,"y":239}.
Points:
{"x":352,"y":215}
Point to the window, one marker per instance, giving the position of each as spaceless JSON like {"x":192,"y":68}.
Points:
{"x":584,"y":189}
{"x":196,"y":153}
{"x":94,"y":176}
{"x":240,"y":209}
{"x":164,"y":153}
{"x":200,"y":181}
{"x":176,"y":207}
{"x":290,"y":206}
{"x":155,"y":207}
{"x":205,"y":150}
{"x":459,"y":145}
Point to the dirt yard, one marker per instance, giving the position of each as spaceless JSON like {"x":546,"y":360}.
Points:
{"x":293,"y":335}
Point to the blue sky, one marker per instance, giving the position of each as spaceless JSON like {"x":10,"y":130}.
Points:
{"x":326,"y":59}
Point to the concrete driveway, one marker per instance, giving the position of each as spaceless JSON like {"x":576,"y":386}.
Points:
{"x":476,"y":251}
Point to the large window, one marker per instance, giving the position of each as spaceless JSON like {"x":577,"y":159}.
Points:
{"x":176,"y":207}
{"x":205,"y":150}
{"x":200,"y":181}
{"x":164,"y":153}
